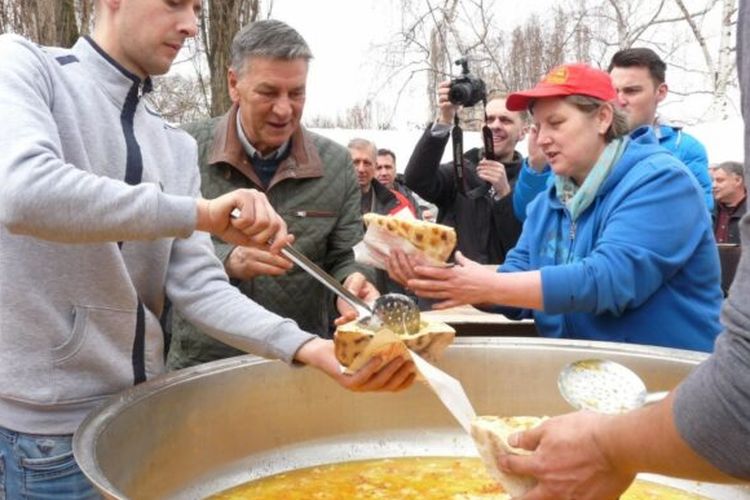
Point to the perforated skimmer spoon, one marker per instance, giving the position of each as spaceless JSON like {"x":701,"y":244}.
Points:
{"x":395,"y":311}
{"x":604,"y":386}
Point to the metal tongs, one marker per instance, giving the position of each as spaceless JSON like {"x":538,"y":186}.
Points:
{"x":365,"y":315}
{"x":394,"y":310}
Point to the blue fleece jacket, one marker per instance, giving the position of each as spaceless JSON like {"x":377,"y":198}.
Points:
{"x":639,"y":265}
{"x":683,"y":146}
{"x":692,"y":153}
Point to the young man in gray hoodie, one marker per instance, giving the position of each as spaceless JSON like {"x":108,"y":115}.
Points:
{"x":100,"y":220}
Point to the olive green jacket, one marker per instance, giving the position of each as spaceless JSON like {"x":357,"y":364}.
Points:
{"x":315,"y":190}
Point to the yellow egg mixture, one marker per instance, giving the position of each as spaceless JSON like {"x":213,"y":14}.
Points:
{"x":422,"y":478}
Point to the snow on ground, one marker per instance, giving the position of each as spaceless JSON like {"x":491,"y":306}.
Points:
{"x":723,"y":140}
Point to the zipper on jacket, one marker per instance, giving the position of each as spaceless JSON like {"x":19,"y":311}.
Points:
{"x":314,"y":213}
{"x":571,"y":238}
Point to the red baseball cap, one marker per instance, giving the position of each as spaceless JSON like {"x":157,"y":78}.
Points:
{"x":563,"y":80}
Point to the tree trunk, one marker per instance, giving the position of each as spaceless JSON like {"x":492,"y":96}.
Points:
{"x":725,"y":64}
{"x":223,"y":18}
{"x":54,"y":22}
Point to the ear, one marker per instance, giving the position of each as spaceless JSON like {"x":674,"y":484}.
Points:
{"x":522,"y":132}
{"x":232,"y":82}
{"x":661,"y":92}
{"x":111,"y":4}
{"x":604,"y":118}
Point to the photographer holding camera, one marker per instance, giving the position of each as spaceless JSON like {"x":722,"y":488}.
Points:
{"x":472,"y":195}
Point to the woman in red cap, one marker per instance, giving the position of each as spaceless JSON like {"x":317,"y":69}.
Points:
{"x":613,"y":249}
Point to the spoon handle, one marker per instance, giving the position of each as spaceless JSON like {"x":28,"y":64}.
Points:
{"x":326,"y":279}
{"x":655,"y":397}
{"x":311,"y":268}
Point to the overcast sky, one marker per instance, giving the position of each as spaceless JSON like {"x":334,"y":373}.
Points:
{"x":342,"y":33}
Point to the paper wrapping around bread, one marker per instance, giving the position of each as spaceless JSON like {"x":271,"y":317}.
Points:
{"x":491,"y":439}
{"x":427,"y":242}
{"x":356,"y":345}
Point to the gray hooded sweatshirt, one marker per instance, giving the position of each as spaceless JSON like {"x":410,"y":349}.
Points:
{"x":97,"y":220}
{"x":712,"y":407}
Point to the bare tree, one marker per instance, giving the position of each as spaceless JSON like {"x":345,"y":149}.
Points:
{"x":720,"y":69}
{"x":677,"y":30}
{"x":220,"y":20}
{"x":47,"y":22}
{"x":178,"y":99}
{"x":435,"y":32}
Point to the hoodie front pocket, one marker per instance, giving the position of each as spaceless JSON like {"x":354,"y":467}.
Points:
{"x":95,"y":360}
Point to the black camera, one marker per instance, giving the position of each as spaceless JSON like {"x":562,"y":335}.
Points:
{"x":467,"y":89}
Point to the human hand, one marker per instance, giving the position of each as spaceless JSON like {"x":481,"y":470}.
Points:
{"x":359,"y":286}
{"x":447,"y":110}
{"x":494,"y":172}
{"x":246,"y":263}
{"x":464,"y":283}
{"x":396,"y":375}
{"x":400,"y":266}
{"x":568,"y":460}
{"x":536,"y":159}
{"x":256,"y":225}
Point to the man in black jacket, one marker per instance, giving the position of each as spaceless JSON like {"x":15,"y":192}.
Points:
{"x":481,"y":210}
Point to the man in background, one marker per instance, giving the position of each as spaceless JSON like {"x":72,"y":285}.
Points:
{"x":480,"y":209}
{"x":387,"y":174}
{"x":731,"y":201}
{"x":376,"y":198}
{"x":638,"y":75}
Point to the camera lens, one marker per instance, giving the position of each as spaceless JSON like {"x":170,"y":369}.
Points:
{"x":460,"y":93}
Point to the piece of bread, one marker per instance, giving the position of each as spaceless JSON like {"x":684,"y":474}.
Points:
{"x":355,"y":345}
{"x":491,"y":439}
{"x":435,"y":240}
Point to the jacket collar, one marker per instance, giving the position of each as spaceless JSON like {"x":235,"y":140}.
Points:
{"x":382,"y":193}
{"x":116,"y":81}
{"x":303,"y":161}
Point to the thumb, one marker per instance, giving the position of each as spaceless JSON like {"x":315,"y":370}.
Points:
{"x":460,"y":259}
{"x":528,"y":440}
{"x":354,"y":282}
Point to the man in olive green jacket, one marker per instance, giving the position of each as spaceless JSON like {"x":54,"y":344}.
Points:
{"x":308,"y":179}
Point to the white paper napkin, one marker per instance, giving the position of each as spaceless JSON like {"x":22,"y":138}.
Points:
{"x":448,"y":390}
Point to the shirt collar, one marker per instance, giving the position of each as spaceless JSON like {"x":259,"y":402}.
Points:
{"x":251,"y":151}
{"x":115,"y":78}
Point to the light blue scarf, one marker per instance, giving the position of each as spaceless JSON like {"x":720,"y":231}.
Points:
{"x":578,"y":198}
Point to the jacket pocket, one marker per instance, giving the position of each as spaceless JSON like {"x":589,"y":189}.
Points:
{"x":95,"y":360}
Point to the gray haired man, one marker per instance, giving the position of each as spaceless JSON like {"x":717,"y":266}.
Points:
{"x":309,"y":180}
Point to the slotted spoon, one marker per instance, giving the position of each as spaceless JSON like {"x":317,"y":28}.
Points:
{"x":604,"y":386}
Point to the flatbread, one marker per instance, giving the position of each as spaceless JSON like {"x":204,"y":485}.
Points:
{"x":491,"y":439}
{"x":355,"y":345}
{"x":435,"y":240}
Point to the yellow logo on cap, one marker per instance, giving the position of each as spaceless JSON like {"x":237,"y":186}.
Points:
{"x":557,"y":76}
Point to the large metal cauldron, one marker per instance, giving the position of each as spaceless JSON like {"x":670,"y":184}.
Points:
{"x":201,"y":430}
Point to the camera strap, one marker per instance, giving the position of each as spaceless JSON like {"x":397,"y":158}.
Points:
{"x":457,"y":136}
{"x":489,"y":145}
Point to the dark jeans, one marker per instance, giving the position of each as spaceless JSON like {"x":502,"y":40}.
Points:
{"x":34,"y":466}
